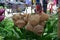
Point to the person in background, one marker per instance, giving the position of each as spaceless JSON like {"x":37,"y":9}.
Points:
{"x":45,"y":2}
{"x":28,"y":2}
{"x":2,"y":3}
{"x":37,"y":1}
{"x":51,"y":8}
{"x":33,"y":2}
{"x":38,"y":9}
{"x":56,"y":2}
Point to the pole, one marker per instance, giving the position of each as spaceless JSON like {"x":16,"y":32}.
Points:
{"x":59,"y":23}
{"x":58,"y":19}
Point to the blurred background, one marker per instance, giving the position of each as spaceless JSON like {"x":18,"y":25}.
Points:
{"x":10,"y":7}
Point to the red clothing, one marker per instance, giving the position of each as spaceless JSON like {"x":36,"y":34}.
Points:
{"x":38,"y":8}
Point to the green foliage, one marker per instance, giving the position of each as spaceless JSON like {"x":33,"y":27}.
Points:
{"x":8,"y":31}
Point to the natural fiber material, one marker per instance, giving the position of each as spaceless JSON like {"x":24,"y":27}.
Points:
{"x":34,"y":23}
{"x":34,"y":19}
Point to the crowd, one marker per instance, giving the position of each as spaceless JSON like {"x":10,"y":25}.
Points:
{"x":41,"y":5}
